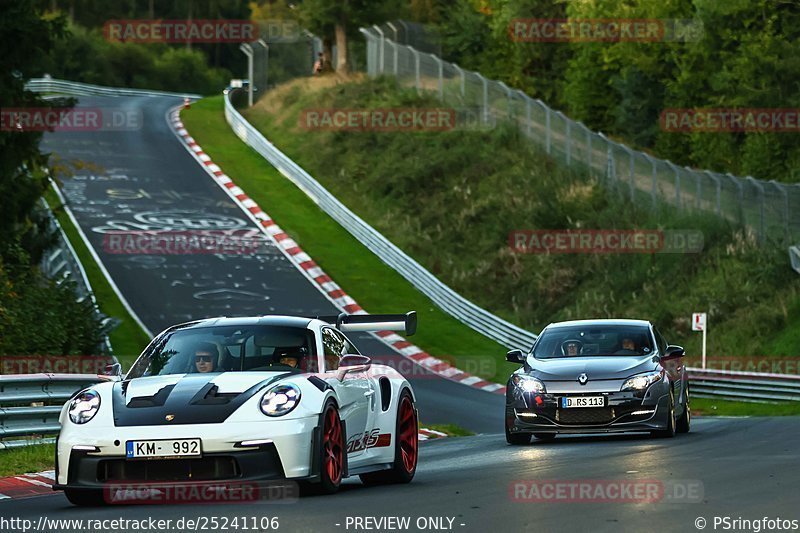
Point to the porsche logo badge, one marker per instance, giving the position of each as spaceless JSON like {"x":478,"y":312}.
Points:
{"x":170,"y":418}
{"x":583,"y":379}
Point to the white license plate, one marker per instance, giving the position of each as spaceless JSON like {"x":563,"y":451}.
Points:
{"x":583,"y":401}
{"x":135,"y":449}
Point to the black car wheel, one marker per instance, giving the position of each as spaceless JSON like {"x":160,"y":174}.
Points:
{"x":685,"y":421}
{"x":517,"y":439}
{"x":405,"y":448}
{"x":670,"y":430}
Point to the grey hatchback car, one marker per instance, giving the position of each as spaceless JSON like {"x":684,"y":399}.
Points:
{"x":597,"y":376}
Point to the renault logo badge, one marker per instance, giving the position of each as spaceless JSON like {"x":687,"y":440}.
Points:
{"x":583,"y":379}
{"x":170,"y":418}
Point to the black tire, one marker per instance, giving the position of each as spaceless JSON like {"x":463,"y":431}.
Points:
{"x":684,"y":423}
{"x":85,"y":498}
{"x":517,"y":439}
{"x":330,"y":478}
{"x":544,"y":436}
{"x":406,"y":451}
{"x":669,"y":432}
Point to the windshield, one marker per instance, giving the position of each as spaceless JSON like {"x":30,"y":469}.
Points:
{"x":593,"y":340}
{"x":229,"y":348}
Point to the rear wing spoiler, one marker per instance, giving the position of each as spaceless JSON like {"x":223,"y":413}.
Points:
{"x":406,"y":323}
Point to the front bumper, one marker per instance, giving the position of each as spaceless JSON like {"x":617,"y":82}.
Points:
{"x":288,"y":456}
{"x":624,"y":411}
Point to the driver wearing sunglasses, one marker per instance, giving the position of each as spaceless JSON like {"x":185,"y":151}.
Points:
{"x":205,"y":357}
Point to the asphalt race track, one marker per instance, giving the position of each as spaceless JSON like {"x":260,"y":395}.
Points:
{"x":144,"y":179}
{"x":739,"y":468}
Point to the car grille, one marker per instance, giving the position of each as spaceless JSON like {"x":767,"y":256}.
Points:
{"x":199,"y":469}
{"x":587,"y":416}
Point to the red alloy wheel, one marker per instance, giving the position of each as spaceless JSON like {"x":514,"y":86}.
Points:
{"x":332,"y":447}
{"x":409,"y":437}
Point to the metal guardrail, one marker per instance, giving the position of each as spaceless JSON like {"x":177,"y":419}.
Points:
{"x":30,"y":405}
{"x":446,"y":298}
{"x":61,"y":263}
{"x":73,"y":88}
{"x":744,"y":386}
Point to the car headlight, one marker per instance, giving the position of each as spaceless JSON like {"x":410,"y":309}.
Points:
{"x":280,"y":400}
{"x":641,"y":382}
{"x":528,"y":383}
{"x":84,"y":406}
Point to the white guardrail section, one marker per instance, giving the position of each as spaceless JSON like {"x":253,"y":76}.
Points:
{"x":30,"y":405}
{"x":446,"y":298}
{"x":743,"y":386}
{"x":73,"y":88}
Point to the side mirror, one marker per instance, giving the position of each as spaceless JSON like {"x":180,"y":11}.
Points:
{"x":352,"y":363}
{"x":114,"y":371}
{"x":672,"y":352}
{"x":515,"y":356}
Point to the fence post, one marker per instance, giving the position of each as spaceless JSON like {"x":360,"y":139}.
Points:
{"x":485,"y":99}
{"x":611,"y":170}
{"x":394,"y":29}
{"x":588,"y":148}
{"x":463,"y":79}
{"x":380,"y":51}
{"x":417,"y":83}
{"x":527,"y":113}
{"x":631,"y":172}
{"x":441,"y":76}
{"x":568,"y":135}
{"x":761,"y":228}
{"x":719,"y":191}
{"x":508,"y":99}
{"x":677,"y":184}
{"x":738,"y":183}
{"x":654,"y":192}
{"x":547,"y":127}
{"x":781,"y":187}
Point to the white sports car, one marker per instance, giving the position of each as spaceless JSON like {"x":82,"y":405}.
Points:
{"x":244,"y":400}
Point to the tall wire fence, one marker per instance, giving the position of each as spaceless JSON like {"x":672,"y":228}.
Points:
{"x":769,"y":208}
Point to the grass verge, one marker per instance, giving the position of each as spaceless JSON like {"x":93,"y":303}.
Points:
{"x":715,"y":407}
{"x":127,"y":339}
{"x":374,"y":285}
{"x":33,"y":458}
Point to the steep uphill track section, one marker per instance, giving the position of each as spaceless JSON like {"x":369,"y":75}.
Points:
{"x":143,"y":180}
